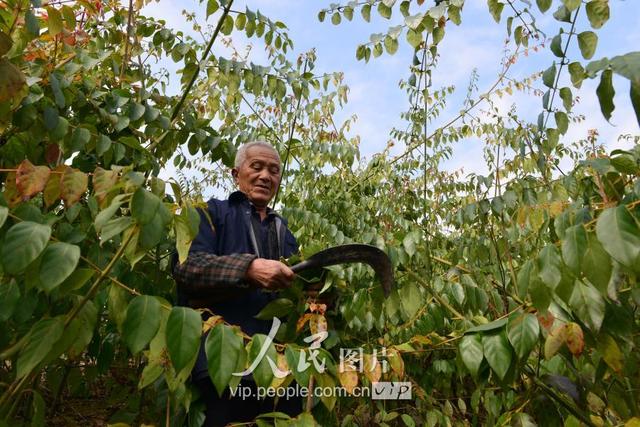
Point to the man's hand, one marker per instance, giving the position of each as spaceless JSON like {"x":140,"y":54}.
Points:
{"x":269,"y":274}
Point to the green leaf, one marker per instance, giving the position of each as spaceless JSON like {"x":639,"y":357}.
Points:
{"x":454,"y":14}
{"x":277,"y":308}
{"x":384,"y":10}
{"x":556,"y":46}
{"x":79,"y":138}
{"x":438,"y":35}
{"x":598,"y":12}
{"x":31,"y":23}
{"x":567,"y":98}
{"x":620,"y":236}
{"x":60,"y":130}
{"x":22,"y":245}
{"x":491,"y":326}
{"x":38,"y":410}
{"x":634,"y":94}
{"x":497,"y":351}
{"x":625,"y":163}
{"x":523,"y":332}
{"x":596,"y":264}
{"x":540,"y":293}
{"x":562,"y":122}
{"x":411,"y":299}
{"x":549,"y":76}
{"x":571,"y":5}
{"x":183,"y":333}
{"x":84,"y":324}
{"x":495,"y":8}
{"x":117,"y":304}
{"x":76,"y":280}
{"x":263,"y":374}
{"x":391,"y":45}
{"x":224,"y":349}
{"x":366,"y":12}
{"x":574,"y":245}
{"x":141,"y":323}
{"x":627,"y":66}
{"x":144,"y":206}
{"x":543,"y":5}
{"x":103,"y":144}
{"x":57,"y":91}
{"x":59,"y":260}
{"x":152,"y":233}
{"x":587,"y":42}
{"x":9,"y":297}
{"x":577,"y":74}
{"x":549,"y":266}
{"x":471,"y":352}
{"x":69,"y":17}
{"x":588,"y":304}
{"x":212,"y":6}
{"x":409,"y":244}
{"x":293,"y":355}
{"x":606,"y":93}
{"x":136,"y":111}
{"x":54,"y":21}
{"x":42,"y":336}
{"x":4,"y":213}
{"x":562,"y":14}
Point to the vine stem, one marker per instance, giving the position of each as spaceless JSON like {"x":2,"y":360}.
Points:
{"x":291,"y":131}
{"x":96,"y":283}
{"x":125,"y":59}
{"x":562,"y":63}
{"x":435,"y":295}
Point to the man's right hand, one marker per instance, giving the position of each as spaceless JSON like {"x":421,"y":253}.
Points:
{"x":269,"y":274}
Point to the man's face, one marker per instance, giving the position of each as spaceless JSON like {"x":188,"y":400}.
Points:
{"x":259,"y":175}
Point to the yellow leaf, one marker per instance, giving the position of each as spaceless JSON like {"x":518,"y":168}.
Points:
{"x":11,"y":191}
{"x":632,"y":422}
{"x":52,"y":189}
{"x":536,"y":218}
{"x":348,"y":378}
{"x":282,"y":364}
{"x":556,"y":208}
{"x":554,"y":341}
{"x":317,"y":323}
{"x":395,"y":361}
{"x":372,"y":368}
{"x":103,"y":183}
{"x":574,"y":338}
{"x":74,"y":184}
{"x":30,"y":179}
{"x":611,"y":353}
{"x":210,"y":323}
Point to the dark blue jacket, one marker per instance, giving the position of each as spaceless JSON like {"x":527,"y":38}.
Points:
{"x":234,"y":234}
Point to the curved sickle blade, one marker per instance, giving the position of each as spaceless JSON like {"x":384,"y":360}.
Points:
{"x":377,"y":259}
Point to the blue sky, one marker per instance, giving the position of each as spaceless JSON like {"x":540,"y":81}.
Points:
{"x":477,"y":43}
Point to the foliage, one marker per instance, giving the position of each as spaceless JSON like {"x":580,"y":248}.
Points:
{"x":517,"y":293}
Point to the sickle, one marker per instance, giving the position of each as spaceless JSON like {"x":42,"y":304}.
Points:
{"x":377,"y":259}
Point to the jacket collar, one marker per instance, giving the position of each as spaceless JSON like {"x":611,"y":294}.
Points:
{"x":239,"y":197}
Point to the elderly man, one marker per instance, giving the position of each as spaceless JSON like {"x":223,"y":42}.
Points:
{"x":233,"y":265}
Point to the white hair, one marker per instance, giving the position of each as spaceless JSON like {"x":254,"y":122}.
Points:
{"x":241,"y":155}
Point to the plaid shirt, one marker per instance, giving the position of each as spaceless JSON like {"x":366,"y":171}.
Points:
{"x":213,"y":277}
{"x":230,"y":237}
